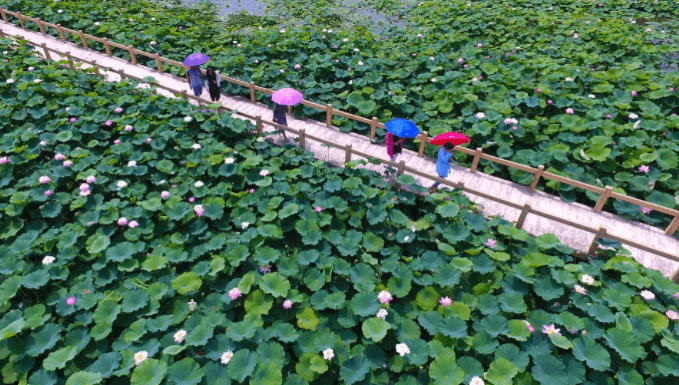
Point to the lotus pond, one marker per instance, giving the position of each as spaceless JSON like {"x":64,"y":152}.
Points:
{"x":584,"y":88}
{"x":145,"y":242}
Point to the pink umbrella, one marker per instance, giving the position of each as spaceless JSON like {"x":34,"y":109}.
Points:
{"x":287,"y":97}
{"x":455,"y":138}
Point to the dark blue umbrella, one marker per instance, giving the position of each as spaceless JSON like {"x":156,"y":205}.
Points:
{"x":402,"y":127}
{"x":196,"y":59}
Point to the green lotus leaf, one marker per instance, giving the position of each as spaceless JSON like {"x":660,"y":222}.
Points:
{"x":453,"y":327}
{"x":591,"y":353}
{"x":375,"y":328}
{"x":120,"y":252}
{"x":149,"y":372}
{"x":242,"y":364}
{"x":547,"y":289}
{"x":484,"y":343}
{"x":550,"y":370}
{"x":267,"y":373}
{"x":200,"y":335}
{"x":187,"y":283}
{"x":354,"y":369}
{"x":58,"y":358}
{"x":501,"y":371}
{"x":97,"y":243}
{"x":560,"y":341}
{"x":512,"y":353}
{"x":307,"y":319}
{"x":518,"y":330}
{"x":84,"y":378}
{"x":494,"y":324}
{"x":185,"y":372}
{"x":42,"y":377}
{"x":448,"y":210}
{"x":43,"y":339}
{"x":372,"y":242}
{"x":177,"y":211}
{"x":309,"y":230}
{"x":275,"y":284}
{"x":444,"y":370}
{"x":427,"y":298}
{"x":35,"y":280}
{"x":106,"y":312}
{"x":512,"y":303}
{"x":51,"y":210}
{"x":625,"y":344}
{"x":258,"y":303}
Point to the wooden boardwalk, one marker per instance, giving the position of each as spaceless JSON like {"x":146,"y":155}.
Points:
{"x":576,"y":239}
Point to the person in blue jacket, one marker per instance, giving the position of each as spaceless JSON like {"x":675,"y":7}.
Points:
{"x":279,"y":116}
{"x":443,"y":163}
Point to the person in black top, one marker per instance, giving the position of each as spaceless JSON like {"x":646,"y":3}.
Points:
{"x":212,"y":83}
{"x":279,"y":116}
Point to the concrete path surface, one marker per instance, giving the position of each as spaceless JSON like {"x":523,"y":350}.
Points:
{"x":576,"y":239}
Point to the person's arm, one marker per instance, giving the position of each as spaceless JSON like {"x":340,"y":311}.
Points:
{"x":219,"y":79}
{"x":389,"y":140}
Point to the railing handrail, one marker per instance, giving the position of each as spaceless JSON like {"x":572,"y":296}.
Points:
{"x":526,"y":208}
{"x":374,"y":123}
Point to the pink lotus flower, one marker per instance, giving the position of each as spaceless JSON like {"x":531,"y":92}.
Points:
{"x":419,"y":35}
{"x":287,"y":304}
{"x":133,"y":224}
{"x":550,"y":329}
{"x":608,"y":116}
{"x":91,"y":179}
{"x":445,"y":301}
{"x":128,"y":128}
{"x":252,"y":191}
{"x":192,"y":199}
{"x":48,"y":192}
{"x":44,"y":179}
{"x":298,"y":66}
{"x":84,"y":193}
{"x":466,"y":66}
{"x":235,"y":293}
{"x":676,"y":296}
{"x":199,"y":209}
{"x":530,"y":327}
{"x":550,"y":101}
{"x":67,"y":163}
{"x":644,"y":168}
{"x":538,"y":90}
{"x":570,"y":111}
{"x":515,"y":128}
{"x":318,"y":209}
{"x":108,"y":123}
{"x":491,"y":243}
{"x":84,"y":186}
{"x":5,"y":160}
{"x":634,"y":93}
{"x":479,"y":45}
{"x":645,"y":210}
{"x":165,"y":194}
{"x":385,"y":297}
{"x":580,"y":289}
{"x":148,"y":140}
{"x":119,"y":109}
{"x":59,"y":157}
{"x":70,"y":301}
{"x":180,"y":27}
{"x":122,"y":221}
{"x":73,"y":120}
{"x":460,"y":60}
{"x":117,"y":141}
{"x":673,"y":315}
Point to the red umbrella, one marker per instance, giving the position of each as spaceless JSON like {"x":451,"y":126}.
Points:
{"x":450,"y":137}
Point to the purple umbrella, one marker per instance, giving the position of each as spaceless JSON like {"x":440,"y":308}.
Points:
{"x":287,"y":97}
{"x":196,"y":59}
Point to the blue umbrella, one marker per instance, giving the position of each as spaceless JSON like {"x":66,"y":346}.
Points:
{"x":402,"y":127}
{"x":196,"y":59}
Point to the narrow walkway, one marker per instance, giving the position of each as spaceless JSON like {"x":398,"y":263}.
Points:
{"x":576,"y":239}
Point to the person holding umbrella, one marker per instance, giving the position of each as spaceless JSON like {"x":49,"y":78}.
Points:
{"x":193,"y":75}
{"x":397,"y":131}
{"x":282,"y":98}
{"x":449,"y":140}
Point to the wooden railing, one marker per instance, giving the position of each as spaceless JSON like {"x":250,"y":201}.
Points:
{"x":538,"y":173}
{"x":401,"y":167}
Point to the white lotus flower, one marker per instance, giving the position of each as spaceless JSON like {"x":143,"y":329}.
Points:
{"x":244,"y":225}
{"x":568,"y":79}
{"x":132,"y":163}
{"x":195,"y":146}
{"x":121,"y":184}
{"x":633,"y":116}
{"x":188,"y":119}
{"x":402,"y":349}
{"x":140,"y":357}
{"x":583,"y":155}
{"x":637,"y":123}
{"x":476,"y":380}
{"x":10,"y":81}
{"x":382,"y":313}
{"x":587,"y":279}
{"x":264,"y":173}
{"x":226,"y":357}
{"x":229,"y":160}
{"x":328,"y":354}
{"x":179,"y":336}
{"x":199,"y":184}
{"x":48,"y":260}
{"x":480,"y":115}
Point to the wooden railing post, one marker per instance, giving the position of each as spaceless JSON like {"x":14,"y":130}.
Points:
{"x":401,"y":167}
{"x":259,"y":125}
{"x":328,"y":115}
{"x":107,"y":46}
{"x":373,"y":128}
{"x":70,"y":60}
{"x":61,"y":32}
{"x":302,"y":138}
{"x":133,"y":57}
{"x":4,"y":15}
{"x":522,"y":217}
{"x":423,"y":142}
{"x":21,"y":19}
{"x":347,"y":155}
{"x":477,"y":157}
{"x":603,"y":198}
{"x":252,"y":92}
{"x":593,"y":246}
{"x":460,"y":185}
{"x":184,"y":95}
{"x":41,"y":26}
{"x":538,"y":174}
{"x":159,"y":63}
{"x":47,"y":51}
{"x":82,"y":38}
{"x":675,"y":276}
{"x":96,"y":67}
{"x":673,"y":226}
